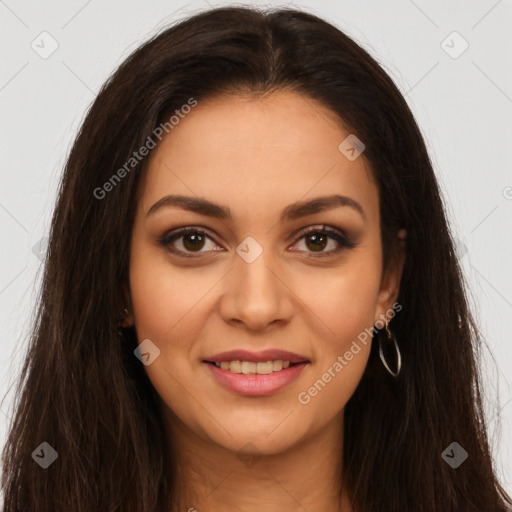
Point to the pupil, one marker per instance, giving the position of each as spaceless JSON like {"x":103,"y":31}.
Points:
{"x":195,"y":239}
{"x":318,"y":240}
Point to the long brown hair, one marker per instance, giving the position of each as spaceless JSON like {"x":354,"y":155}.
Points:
{"x":84,"y":392}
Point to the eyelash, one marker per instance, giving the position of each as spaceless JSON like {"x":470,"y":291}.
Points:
{"x":344,"y":242}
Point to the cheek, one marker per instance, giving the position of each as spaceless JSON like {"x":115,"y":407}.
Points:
{"x":345,"y":302}
{"x":164,"y":297}
{"x":168,"y":305}
{"x":345,"y":298}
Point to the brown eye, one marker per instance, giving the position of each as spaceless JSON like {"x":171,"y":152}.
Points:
{"x":187,"y":241}
{"x":190,"y":242}
{"x":317,"y":239}
{"x":193,"y":241}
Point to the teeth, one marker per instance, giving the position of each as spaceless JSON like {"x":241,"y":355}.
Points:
{"x":249,"y":368}
{"x":277,"y":365}
{"x":235,"y":366}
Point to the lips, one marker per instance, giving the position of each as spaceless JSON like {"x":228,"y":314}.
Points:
{"x":257,"y":357}
{"x":254,"y":385}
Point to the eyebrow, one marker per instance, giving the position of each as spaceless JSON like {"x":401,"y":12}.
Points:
{"x":293,"y":211}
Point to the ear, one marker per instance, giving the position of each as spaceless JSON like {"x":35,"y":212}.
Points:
{"x":128,"y":320}
{"x":390,"y":285}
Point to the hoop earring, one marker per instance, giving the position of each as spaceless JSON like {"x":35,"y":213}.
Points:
{"x":391,"y":337}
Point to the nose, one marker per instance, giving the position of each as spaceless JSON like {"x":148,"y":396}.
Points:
{"x":256,"y":295}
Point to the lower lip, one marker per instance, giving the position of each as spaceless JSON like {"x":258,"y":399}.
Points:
{"x":255,"y":384}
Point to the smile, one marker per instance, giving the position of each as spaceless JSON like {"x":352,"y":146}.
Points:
{"x":255,"y":379}
{"x":249,"y":367}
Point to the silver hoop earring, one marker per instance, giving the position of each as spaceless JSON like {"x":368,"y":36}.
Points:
{"x":391,"y":337}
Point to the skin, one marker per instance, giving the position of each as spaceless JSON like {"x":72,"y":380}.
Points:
{"x":257,"y":156}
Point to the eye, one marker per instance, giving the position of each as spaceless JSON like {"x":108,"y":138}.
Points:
{"x":193,"y":240}
{"x":316,"y":239}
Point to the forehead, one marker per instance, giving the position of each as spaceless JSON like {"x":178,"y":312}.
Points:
{"x":257,"y":154}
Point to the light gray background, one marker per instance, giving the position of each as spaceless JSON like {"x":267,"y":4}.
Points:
{"x":463,"y":105}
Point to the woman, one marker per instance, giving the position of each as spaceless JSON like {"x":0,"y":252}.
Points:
{"x":251,"y":298}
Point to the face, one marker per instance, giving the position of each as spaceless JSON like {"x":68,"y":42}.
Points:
{"x":268,"y":269}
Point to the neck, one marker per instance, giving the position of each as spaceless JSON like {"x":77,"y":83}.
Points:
{"x":305,"y":477}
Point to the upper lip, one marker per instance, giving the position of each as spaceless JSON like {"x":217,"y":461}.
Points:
{"x":257,"y":357}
